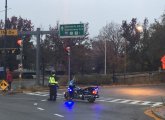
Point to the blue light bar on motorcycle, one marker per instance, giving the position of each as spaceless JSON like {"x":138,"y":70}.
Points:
{"x":70,"y":90}
{"x":96,"y":88}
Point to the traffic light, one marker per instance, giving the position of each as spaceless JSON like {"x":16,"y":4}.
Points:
{"x":67,"y":49}
{"x":20,"y":42}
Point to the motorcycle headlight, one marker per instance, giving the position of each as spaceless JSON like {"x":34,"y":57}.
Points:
{"x":70,"y":90}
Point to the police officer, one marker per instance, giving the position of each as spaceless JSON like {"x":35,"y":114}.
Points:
{"x":53,"y":84}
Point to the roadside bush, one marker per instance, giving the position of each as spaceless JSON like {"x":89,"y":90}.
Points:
{"x":93,"y":79}
{"x":129,"y":79}
{"x":87,"y":79}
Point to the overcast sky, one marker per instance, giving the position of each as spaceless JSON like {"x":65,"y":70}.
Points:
{"x":97,"y":13}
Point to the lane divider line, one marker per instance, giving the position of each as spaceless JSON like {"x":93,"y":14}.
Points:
{"x":58,"y":115}
{"x":40,"y":108}
{"x":35,"y":104}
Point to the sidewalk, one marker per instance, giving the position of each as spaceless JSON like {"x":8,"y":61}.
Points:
{"x":159,"y":112}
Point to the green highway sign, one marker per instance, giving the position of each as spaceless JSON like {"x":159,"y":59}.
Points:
{"x":72,"y":30}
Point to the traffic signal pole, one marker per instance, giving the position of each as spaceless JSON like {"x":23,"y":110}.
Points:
{"x":37,"y":33}
{"x":69,"y":76}
{"x":37,"y":57}
{"x":20,"y":66}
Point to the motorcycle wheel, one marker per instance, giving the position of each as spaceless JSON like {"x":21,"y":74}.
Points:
{"x":67,"y":96}
{"x":91,"y":100}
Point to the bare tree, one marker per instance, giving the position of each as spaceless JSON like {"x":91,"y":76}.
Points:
{"x":111,"y":35}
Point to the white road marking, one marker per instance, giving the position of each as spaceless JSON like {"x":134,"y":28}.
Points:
{"x":103,"y":99}
{"x":146,"y":103}
{"x":59,"y":115}
{"x":157,"y":104}
{"x":40,"y":93}
{"x":40,"y":108}
{"x":115,"y":100}
{"x":45,"y":94}
{"x":125,"y":101}
{"x":35,"y":104}
{"x":135,"y":102}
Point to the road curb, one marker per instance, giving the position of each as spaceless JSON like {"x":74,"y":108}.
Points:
{"x":156,"y":111}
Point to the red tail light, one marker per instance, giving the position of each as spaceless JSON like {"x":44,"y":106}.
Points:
{"x":94,"y":92}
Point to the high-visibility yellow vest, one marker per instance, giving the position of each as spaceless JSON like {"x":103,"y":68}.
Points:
{"x":52,"y":81}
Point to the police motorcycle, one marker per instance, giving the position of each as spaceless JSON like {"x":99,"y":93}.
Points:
{"x":89,"y":93}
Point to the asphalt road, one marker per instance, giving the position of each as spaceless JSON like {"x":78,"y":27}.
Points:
{"x":115,"y":103}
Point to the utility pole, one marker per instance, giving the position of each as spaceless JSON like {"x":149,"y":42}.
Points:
{"x":105,"y":62}
{"x":125,"y":60}
{"x":5,"y":39}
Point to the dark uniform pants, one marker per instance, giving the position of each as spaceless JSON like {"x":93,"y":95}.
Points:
{"x":53,"y":92}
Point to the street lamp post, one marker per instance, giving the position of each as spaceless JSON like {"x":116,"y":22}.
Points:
{"x":139,"y":29}
{"x":105,"y":59}
{"x":125,"y":59}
